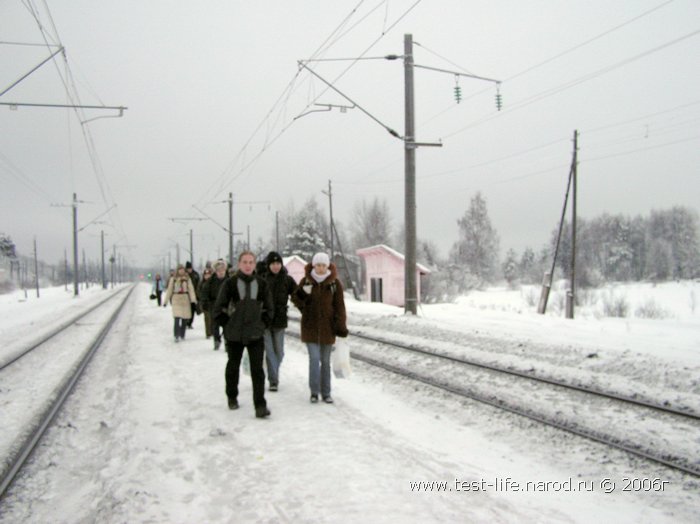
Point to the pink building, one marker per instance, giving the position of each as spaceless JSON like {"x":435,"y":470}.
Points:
{"x":295,"y":267}
{"x":384,"y":275}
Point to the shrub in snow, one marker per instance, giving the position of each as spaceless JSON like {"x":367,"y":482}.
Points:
{"x":529,"y":295}
{"x":650,"y":309}
{"x":615,"y":306}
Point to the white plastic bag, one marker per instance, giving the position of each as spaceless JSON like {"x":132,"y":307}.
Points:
{"x":341,"y":359}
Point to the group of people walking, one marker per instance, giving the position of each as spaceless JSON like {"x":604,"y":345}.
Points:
{"x":247,"y":307}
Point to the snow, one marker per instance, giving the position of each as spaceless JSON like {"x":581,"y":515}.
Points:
{"x":147,"y":436}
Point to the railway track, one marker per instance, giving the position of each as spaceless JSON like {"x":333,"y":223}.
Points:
{"x":45,"y":387}
{"x":639,"y":426}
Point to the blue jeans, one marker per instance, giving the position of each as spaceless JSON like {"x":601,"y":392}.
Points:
{"x":274,"y":353}
{"x":319,"y":368}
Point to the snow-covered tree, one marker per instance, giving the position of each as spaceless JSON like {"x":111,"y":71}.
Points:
{"x":477,"y":247}
{"x":679,"y":226}
{"x":510,"y":268}
{"x":7,"y":246}
{"x":306,"y":231}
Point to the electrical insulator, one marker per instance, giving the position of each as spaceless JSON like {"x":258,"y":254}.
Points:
{"x":499,"y":103}
{"x":458,"y":94}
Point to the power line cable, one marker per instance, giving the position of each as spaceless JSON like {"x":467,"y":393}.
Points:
{"x":575,"y":82}
{"x":268,"y":143}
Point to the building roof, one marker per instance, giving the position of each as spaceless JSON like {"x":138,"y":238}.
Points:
{"x":383,"y":248}
{"x":287,"y":260}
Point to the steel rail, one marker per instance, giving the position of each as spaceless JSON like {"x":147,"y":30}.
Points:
{"x":667,"y":460}
{"x":523,"y":374}
{"x":50,"y":413}
{"x":60,"y":328}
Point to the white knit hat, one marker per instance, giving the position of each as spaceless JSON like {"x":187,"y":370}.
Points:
{"x":320,"y":258}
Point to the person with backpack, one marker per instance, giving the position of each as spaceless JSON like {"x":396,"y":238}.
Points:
{"x":319,"y":297}
{"x":180,"y":294}
{"x":244,"y":307}
{"x":281,"y":287}
{"x":208,"y":295}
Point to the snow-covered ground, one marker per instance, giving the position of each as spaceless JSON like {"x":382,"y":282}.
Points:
{"x":147,"y":436}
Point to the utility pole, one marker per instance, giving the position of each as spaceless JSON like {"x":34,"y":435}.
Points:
{"x":277,"y":231}
{"x":191,"y":250}
{"x":112,"y":261}
{"x":230,"y":228}
{"x":547,"y":281}
{"x":571,"y":295}
{"x":65,"y":268}
{"x":36,"y":270}
{"x":330,"y":207}
{"x":75,"y":245}
{"x":410,"y":290}
{"x":102,"y":250}
{"x":85,"y":272}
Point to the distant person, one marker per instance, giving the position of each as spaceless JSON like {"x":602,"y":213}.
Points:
{"x":194,"y":277}
{"x":281,"y":286}
{"x":181,"y":294}
{"x":158,"y":289}
{"x":203,"y":303}
{"x":319,"y":297}
{"x":210,"y":291}
{"x":244,"y":306}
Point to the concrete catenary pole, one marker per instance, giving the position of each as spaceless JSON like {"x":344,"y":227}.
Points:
{"x":410,"y":289}
{"x":76,"y":291}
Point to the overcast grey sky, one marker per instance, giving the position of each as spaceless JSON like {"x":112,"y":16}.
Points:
{"x":213,"y":89}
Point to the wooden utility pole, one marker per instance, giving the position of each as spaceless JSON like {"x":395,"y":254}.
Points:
{"x":36,"y":269}
{"x":571,"y":295}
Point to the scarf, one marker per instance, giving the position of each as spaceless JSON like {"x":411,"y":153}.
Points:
{"x":319,"y":278}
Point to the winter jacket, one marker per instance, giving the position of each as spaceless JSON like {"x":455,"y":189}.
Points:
{"x":323,"y":310}
{"x":195,"y":278}
{"x":181,"y":294}
{"x":244,"y":318}
{"x":281,"y":286}
{"x":209,"y":290}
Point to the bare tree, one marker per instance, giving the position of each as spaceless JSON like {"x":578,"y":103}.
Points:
{"x":371,"y":223}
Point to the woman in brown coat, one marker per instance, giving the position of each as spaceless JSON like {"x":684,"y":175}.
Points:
{"x":181,"y":294}
{"x":319,"y":297}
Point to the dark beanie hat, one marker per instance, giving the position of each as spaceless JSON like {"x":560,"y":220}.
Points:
{"x":273,"y":256}
{"x":188,"y":265}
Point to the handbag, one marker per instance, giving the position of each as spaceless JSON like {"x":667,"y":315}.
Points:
{"x":341,"y":359}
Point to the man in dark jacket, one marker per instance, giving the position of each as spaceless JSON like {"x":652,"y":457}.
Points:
{"x":210,"y":291}
{"x":244,"y":307}
{"x":281,"y":287}
{"x":194,"y":277}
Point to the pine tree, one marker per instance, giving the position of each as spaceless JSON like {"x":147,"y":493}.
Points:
{"x":306,"y":231}
{"x":510,"y":268}
{"x":7,"y":246}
